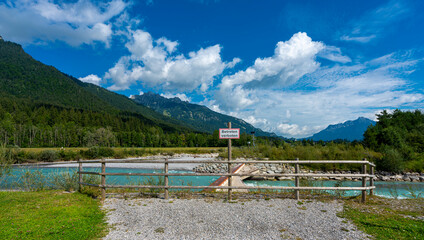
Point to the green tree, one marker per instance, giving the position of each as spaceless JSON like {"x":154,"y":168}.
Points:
{"x":102,"y":137}
{"x":400,"y":137}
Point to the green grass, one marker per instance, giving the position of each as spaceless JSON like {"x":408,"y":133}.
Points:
{"x":388,"y":218}
{"x":50,"y":215}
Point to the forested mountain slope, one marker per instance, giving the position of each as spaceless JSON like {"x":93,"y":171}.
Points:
{"x":36,"y":99}
{"x":196,"y":116}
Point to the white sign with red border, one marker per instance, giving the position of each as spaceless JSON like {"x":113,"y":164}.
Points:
{"x":229,"y":133}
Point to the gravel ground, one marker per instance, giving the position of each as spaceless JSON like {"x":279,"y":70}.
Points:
{"x":214,"y":219}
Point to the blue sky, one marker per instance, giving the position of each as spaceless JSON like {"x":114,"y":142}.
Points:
{"x":290,"y":67}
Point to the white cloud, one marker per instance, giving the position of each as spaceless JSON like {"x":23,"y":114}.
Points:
{"x":181,"y":96}
{"x":362,"y":39}
{"x":334,"y":95}
{"x":291,"y":60}
{"x":169,"y":45}
{"x":375,"y":23}
{"x":334,"y":54}
{"x":82,"y":12}
{"x":76,"y":23}
{"x":94,"y":79}
{"x":294,"y":130}
{"x":261,"y":123}
{"x":153,"y":64}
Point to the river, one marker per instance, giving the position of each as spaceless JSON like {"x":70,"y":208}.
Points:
{"x":44,"y":174}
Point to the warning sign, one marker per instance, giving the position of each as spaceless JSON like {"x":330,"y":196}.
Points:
{"x":229,"y":133}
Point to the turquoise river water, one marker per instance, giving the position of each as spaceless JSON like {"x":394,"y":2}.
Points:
{"x":21,"y":175}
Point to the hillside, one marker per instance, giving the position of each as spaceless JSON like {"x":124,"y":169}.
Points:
{"x":196,"y":116}
{"x":43,"y":107}
{"x":349,"y":130}
{"x":22,"y":77}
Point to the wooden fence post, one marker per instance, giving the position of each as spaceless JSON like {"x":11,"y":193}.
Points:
{"x":364,"y":182}
{"x":372,"y":180}
{"x":79,"y":175}
{"x":229,"y":167}
{"x":296,"y":182}
{"x":166,"y":179}
{"x":103,"y":181}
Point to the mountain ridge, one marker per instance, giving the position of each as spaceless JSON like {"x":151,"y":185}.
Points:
{"x":23,"y":77}
{"x":350,"y":130}
{"x":197,"y":116}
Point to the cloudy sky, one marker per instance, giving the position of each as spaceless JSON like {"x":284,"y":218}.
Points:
{"x":290,"y":67}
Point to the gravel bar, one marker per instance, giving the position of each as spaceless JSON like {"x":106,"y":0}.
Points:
{"x":155,"y":218}
{"x":172,"y":166}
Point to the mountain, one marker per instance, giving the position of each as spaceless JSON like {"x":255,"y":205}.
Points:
{"x":29,"y":81}
{"x":349,"y":130}
{"x":196,"y":116}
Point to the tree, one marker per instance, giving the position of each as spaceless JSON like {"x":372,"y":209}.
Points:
{"x":102,"y":137}
{"x":400,"y":137}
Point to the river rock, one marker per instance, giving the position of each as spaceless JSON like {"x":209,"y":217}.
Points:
{"x":414,"y":178}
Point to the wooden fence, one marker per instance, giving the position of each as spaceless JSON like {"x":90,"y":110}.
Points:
{"x":297,"y":175}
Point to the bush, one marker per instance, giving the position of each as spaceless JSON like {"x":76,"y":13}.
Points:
{"x":89,"y":190}
{"x":5,"y":162}
{"x":392,"y":161}
{"x":98,"y":152}
{"x":68,"y":155}
{"x":49,"y":156}
{"x":32,"y":180}
{"x":66,"y":180}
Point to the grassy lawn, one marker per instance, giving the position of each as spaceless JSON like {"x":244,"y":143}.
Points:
{"x":50,"y":215}
{"x":388,"y":218}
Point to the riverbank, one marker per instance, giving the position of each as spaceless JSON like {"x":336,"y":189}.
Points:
{"x":265,"y":168}
{"x":172,"y":166}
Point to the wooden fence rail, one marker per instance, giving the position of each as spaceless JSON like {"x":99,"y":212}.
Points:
{"x":297,"y":175}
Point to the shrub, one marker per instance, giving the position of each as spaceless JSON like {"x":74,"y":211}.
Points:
{"x":66,"y":180}
{"x":49,"y":156}
{"x":91,"y":191}
{"x":392,"y":161}
{"x":5,"y":162}
{"x":98,"y":152}
{"x":32,"y":181}
{"x":68,"y":155}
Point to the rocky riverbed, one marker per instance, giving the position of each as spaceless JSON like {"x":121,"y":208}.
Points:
{"x":265,"y":168}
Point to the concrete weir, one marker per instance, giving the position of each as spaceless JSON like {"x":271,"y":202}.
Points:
{"x":236,"y":180}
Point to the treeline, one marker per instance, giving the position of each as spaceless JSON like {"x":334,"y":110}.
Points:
{"x":43,"y":125}
{"x":400,"y":137}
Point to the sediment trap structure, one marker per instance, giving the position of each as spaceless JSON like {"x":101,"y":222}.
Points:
{"x":297,"y":175}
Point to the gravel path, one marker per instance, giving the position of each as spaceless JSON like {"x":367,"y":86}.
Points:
{"x":212,"y":219}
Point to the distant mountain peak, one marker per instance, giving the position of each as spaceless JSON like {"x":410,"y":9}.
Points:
{"x":349,"y":130}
